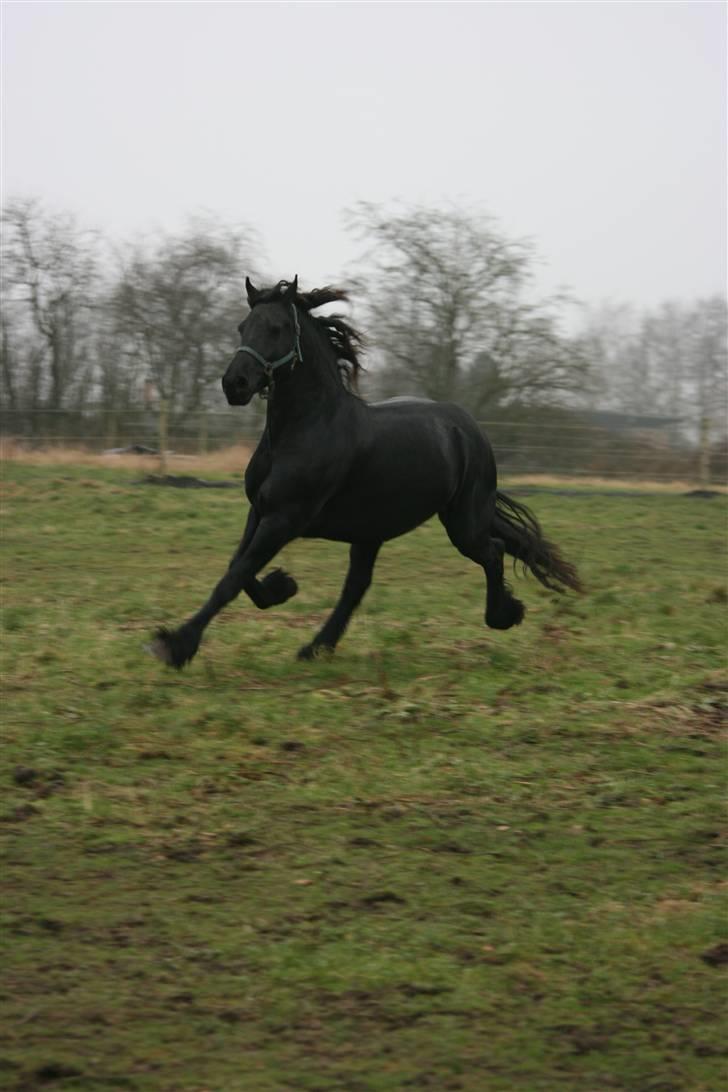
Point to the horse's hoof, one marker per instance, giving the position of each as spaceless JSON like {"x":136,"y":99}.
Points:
{"x":313,"y":651}
{"x":510,"y":613}
{"x":174,"y":647}
{"x":158,"y":647}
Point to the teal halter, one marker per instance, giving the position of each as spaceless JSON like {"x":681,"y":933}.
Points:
{"x":269,"y":366}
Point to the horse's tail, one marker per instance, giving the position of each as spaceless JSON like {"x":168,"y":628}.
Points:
{"x":524,"y":541}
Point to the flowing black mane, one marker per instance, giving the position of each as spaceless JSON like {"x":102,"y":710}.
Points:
{"x":343,"y":338}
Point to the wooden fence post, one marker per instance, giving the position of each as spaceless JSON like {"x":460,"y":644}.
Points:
{"x":111,"y":431}
{"x":163,"y":419}
{"x":704,"y":470}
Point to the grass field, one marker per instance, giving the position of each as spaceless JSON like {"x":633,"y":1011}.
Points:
{"x":447,"y":858}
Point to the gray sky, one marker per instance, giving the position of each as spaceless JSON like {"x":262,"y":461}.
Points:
{"x":598,"y":130}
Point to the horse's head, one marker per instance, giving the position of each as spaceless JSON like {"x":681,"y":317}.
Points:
{"x":270,"y":339}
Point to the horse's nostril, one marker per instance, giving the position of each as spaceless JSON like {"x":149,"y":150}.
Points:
{"x":236,"y":389}
{"x":236,"y":383}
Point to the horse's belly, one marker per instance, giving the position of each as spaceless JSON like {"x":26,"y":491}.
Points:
{"x":358,"y":517}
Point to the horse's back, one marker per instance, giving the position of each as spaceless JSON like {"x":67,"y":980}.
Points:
{"x":426,"y":410}
{"x":412,"y":457}
{"x":443,"y":429}
{"x":399,"y":399}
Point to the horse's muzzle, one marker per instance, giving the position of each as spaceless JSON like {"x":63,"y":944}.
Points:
{"x":238,"y":391}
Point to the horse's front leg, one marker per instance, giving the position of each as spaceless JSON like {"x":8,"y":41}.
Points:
{"x":275,"y":587}
{"x":177,"y":647}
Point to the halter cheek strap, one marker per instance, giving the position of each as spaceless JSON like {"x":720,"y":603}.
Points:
{"x":269,"y":366}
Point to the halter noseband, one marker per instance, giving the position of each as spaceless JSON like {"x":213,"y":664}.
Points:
{"x":269,"y":366}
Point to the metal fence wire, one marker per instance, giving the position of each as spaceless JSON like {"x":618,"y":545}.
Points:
{"x":572,"y":448}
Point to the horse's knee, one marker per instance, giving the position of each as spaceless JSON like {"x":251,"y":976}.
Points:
{"x":275,"y":588}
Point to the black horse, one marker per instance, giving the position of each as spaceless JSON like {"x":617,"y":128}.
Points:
{"x":330,"y":465}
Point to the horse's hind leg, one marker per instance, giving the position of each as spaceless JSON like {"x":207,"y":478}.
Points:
{"x":468,"y":527}
{"x":361,"y":564}
{"x":502,"y":609}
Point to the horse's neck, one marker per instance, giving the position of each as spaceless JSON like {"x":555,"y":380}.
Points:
{"x":310,"y":391}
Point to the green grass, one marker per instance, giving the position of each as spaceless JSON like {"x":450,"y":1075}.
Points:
{"x":447,"y":858}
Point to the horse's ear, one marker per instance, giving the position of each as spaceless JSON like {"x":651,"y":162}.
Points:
{"x":289,"y":294}
{"x":252,"y":292}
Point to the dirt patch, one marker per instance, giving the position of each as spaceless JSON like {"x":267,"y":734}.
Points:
{"x":382,"y":898}
{"x":717,"y":956}
{"x":185,"y":481}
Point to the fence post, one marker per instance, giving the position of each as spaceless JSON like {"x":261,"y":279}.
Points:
{"x":163,"y":412}
{"x":704,"y":469}
{"x":111,"y":429}
{"x":202,"y":436}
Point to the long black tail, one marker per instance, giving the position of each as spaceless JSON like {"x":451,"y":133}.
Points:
{"x":524,"y":540}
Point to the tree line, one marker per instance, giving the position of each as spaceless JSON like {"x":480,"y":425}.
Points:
{"x":87,"y":324}
{"x":444,"y":296}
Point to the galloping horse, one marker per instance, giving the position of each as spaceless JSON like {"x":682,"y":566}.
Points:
{"x":332,"y":466}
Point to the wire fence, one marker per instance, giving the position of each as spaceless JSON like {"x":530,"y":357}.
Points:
{"x":523,"y":447}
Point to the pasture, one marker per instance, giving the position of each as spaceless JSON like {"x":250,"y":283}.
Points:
{"x":446,"y":858}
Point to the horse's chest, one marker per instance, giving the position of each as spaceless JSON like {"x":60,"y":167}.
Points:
{"x":255,"y":475}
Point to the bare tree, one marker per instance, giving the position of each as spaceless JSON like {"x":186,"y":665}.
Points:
{"x":175,"y":307}
{"x":50,"y":271}
{"x":708,"y":342}
{"x":9,"y":370}
{"x":671,"y":361}
{"x":449,"y":315}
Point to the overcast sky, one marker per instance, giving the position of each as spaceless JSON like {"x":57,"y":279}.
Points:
{"x":597,"y":130}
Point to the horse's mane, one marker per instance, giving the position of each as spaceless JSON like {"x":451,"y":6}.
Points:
{"x":343,"y":338}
